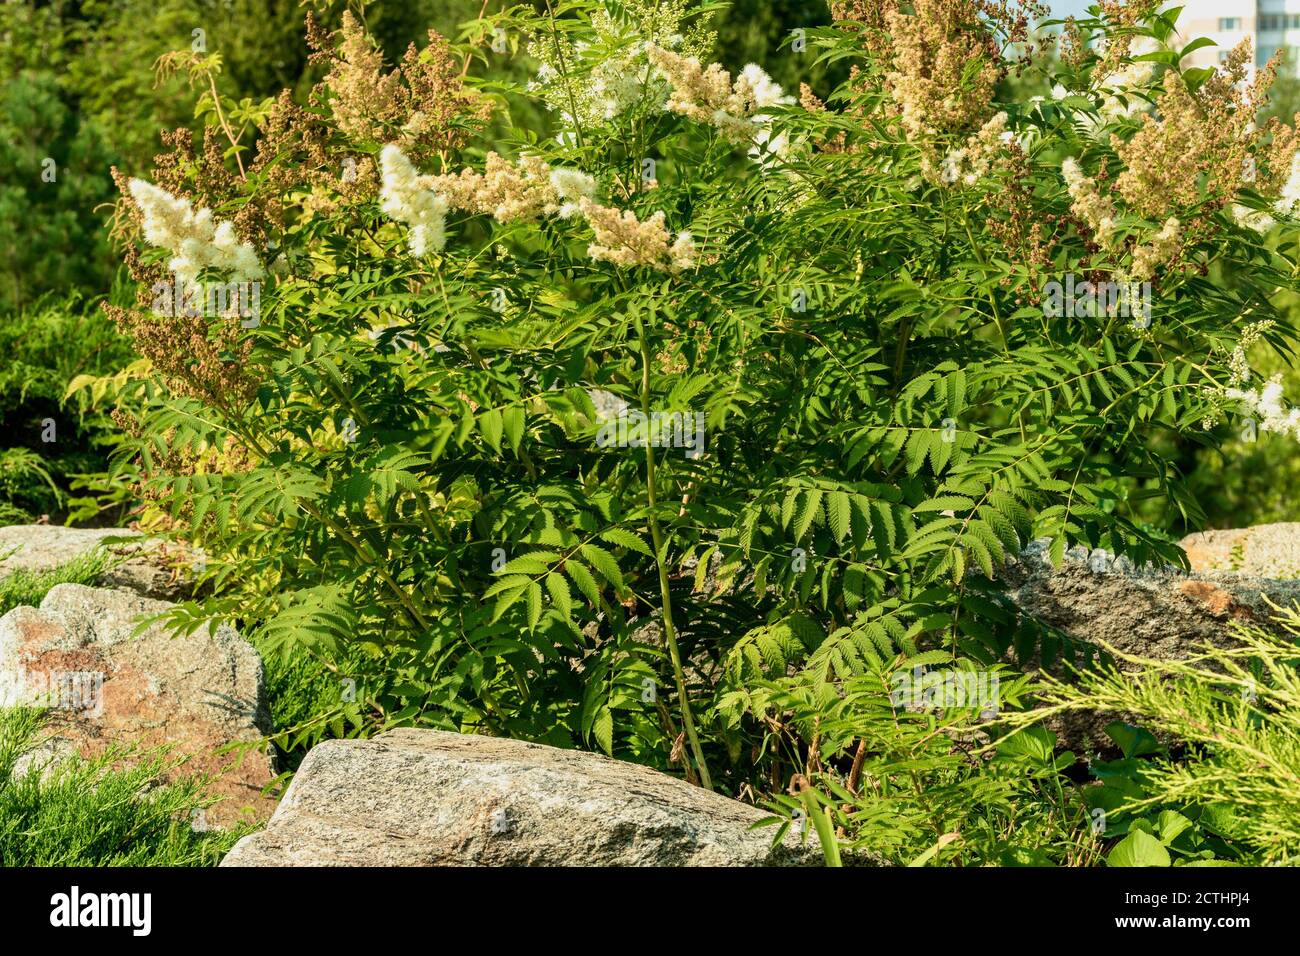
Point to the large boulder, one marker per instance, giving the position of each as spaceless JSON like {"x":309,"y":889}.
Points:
{"x":428,"y":798}
{"x":145,"y":565}
{"x":1266,"y":550}
{"x":107,"y":687}
{"x":1157,"y":613}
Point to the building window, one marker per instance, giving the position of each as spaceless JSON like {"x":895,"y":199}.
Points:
{"x":1229,"y":23}
{"x":1271,"y":22}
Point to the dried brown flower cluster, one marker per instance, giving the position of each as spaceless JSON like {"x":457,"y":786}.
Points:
{"x":944,"y":66}
{"x":297,"y":162}
{"x":1073,"y":44}
{"x":1027,"y":235}
{"x":1200,"y":146}
{"x":869,"y":13}
{"x":199,"y":356}
{"x":1186,"y":163}
{"x":423,"y":104}
{"x":294,"y":155}
{"x":813,"y":104}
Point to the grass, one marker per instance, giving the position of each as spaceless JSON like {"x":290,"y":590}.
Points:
{"x":23,"y":587}
{"x":88,"y":813}
{"x":306,"y":700}
{"x":93,"y":812}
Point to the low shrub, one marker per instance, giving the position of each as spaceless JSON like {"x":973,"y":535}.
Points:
{"x":54,"y":438}
{"x":681,"y":433}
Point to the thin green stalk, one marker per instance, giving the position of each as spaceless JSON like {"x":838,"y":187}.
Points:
{"x":821,"y":820}
{"x":657,"y":536}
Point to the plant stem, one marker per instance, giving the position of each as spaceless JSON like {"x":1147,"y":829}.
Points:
{"x":821,"y":820}
{"x":564,"y":75}
{"x":855,"y":773}
{"x":657,"y":536}
{"x":225,"y":127}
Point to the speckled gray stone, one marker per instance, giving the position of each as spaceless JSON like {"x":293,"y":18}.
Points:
{"x":431,"y":798}
{"x":1159,"y":613}
{"x":1265,"y":551}
{"x":109,"y":687}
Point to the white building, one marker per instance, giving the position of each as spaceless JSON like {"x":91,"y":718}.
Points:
{"x":1271,"y":25}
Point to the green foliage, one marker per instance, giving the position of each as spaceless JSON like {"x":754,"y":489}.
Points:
{"x":426,"y":507}
{"x":79,"y":89}
{"x":1247,"y":478}
{"x":56,"y":164}
{"x":1236,"y":707}
{"x":313,"y":699}
{"x":87,"y":813}
{"x":46,"y":347}
{"x":401,"y":480}
{"x":917,"y":787}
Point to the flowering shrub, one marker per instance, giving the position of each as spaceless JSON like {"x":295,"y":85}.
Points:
{"x":400,"y":467}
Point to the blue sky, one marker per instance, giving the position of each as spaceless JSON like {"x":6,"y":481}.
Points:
{"x":1066,"y":8}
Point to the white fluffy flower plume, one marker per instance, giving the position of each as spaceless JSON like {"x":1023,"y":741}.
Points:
{"x":195,"y":240}
{"x":403,"y":197}
{"x":571,"y":186}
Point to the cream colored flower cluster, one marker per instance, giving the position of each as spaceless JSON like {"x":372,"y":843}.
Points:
{"x":1087,"y":202}
{"x":941,"y":74}
{"x":405,"y":196}
{"x":521,"y":191}
{"x":612,"y":86}
{"x":970,"y":163}
{"x":1118,"y":88}
{"x":524,"y":191}
{"x":1287,"y":203}
{"x":1255,"y":219}
{"x":1239,"y":361}
{"x":1269,"y":406}
{"x":1099,"y":213}
{"x":195,"y":240}
{"x":708,"y":94}
{"x":590,"y":78}
{"x":624,"y":240}
{"x":1162,"y":248}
